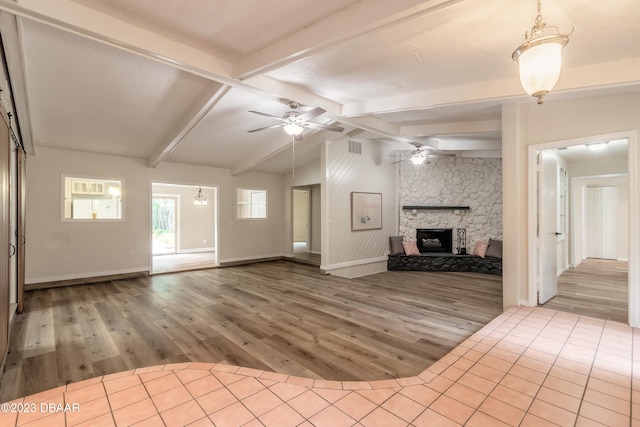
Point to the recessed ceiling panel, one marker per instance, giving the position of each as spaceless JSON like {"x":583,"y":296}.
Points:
{"x":88,"y":96}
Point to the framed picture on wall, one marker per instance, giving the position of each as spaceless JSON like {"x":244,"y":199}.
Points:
{"x":366,"y":211}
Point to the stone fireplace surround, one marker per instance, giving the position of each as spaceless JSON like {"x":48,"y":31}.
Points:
{"x":452,"y":193}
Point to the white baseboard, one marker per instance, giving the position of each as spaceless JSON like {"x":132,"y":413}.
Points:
{"x":87,"y":275}
{"x":197,"y":250}
{"x":623,"y":259}
{"x":355,"y":263}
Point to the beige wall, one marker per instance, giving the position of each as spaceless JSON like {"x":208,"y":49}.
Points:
{"x":59,"y":251}
{"x":527,"y":124}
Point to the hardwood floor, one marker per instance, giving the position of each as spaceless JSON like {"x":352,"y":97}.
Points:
{"x":170,"y":263}
{"x":597,"y":288}
{"x":276,"y":316}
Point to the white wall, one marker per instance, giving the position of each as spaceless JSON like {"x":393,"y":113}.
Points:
{"x":527,"y":124}
{"x":349,"y":253}
{"x":67,"y":250}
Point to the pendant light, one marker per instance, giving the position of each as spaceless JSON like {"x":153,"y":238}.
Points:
{"x":540,"y":57}
{"x":200,"y":199}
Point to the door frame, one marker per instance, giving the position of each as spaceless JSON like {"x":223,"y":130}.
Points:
{"x":634,"y":221}
{"x":216,"y":213}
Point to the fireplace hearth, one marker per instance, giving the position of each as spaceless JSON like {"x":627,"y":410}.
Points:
{"x":434,"y":240}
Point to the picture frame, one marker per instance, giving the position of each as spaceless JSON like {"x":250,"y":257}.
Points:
{"x":366,"y":211}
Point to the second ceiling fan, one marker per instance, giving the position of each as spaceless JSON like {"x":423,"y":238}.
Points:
{"x":294,"y":121}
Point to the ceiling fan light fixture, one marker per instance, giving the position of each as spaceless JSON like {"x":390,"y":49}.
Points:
{"x":540,"y":57}
{"x":293,"y":129}
{"x":418,"y":158}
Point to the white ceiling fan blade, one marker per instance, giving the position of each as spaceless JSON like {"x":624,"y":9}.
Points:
{"x":311,"y":114}
{"x":266,"y":115}
{"x":266,"y":127}
{"x":321,"y":126}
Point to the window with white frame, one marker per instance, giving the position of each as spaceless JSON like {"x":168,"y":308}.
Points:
{"x":91,"y":199}
{"x":252,"y":203}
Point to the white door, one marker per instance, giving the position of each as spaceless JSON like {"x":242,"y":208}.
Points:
{"x":601,"y":222}
{"x":594,"y":222}
{"x":548,"y":219}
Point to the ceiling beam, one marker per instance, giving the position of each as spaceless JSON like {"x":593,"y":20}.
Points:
{"x":354,"y":21}
{"x":274,"y":147}
{"x":453,"y":128}
{"x":163,"y":151}
{"x":613,"y":74}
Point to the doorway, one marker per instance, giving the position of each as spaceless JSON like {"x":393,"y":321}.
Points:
{"x":306,"y":224}
{"x":301,"y":220}
{"x":183,"y":227}
{"x":163,"y":224}
{"x":576,"y":222}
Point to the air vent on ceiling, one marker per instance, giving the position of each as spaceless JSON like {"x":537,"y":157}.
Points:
{"x":355,"y":147}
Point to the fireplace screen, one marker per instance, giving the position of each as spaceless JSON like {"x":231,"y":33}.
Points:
{"x":434,"y":239}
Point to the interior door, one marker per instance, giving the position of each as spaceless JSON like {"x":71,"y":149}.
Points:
{"x":594,"y":222}
{"x":609,"y":226}
{"x":548,"y":218}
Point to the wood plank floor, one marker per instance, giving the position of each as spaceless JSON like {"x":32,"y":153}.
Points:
{"x":597,"y":288}
{"x":276,"y":316}
{"x":170,"y":263}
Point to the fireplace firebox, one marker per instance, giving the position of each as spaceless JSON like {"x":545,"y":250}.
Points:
{"x":434,"y":240}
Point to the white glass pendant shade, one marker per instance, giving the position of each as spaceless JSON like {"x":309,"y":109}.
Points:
{"x":540,"y":68}
{"x":293,"y":129}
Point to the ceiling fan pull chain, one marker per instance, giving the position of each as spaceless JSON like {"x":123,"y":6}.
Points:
{"x":293,"y":156}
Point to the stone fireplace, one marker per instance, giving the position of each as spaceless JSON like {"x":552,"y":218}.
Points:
{"x":434,"y":240}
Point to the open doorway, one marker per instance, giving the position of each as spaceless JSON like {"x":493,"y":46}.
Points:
{"x":582,"y":227}
{"x":163,"y":224}
{"x":184,"y":227}
{"x":306,"y":224}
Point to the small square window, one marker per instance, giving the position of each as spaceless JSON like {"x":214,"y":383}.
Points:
{"x":252,"y":204}
{"x":91,"y":199}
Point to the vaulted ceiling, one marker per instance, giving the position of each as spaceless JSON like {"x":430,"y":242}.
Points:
{"x":168,"y":80}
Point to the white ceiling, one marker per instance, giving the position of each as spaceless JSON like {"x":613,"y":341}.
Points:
{"x":174,"y":81}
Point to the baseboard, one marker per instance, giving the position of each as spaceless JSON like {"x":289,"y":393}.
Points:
{"x":55,"y":282}
{"x":355,"y":263}
{"x":250,"y":260}
{"x":623,"y":259}
{"x":197,"y":250}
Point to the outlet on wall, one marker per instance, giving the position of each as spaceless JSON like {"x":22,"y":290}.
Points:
{"x":132,"y":252}
{"x":204,"y":241}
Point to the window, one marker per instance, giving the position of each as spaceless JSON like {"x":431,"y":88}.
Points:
{"x":252,"y":204}
{"x":91,"y":199}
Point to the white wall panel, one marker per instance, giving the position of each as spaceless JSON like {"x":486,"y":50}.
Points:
{"x":357,"y":253}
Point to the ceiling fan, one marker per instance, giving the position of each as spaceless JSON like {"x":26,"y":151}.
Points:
{"x":294,"y":121}
{"x":419,"y":155}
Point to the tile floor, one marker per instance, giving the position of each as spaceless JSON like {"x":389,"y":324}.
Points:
{"x":528,"y":367}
